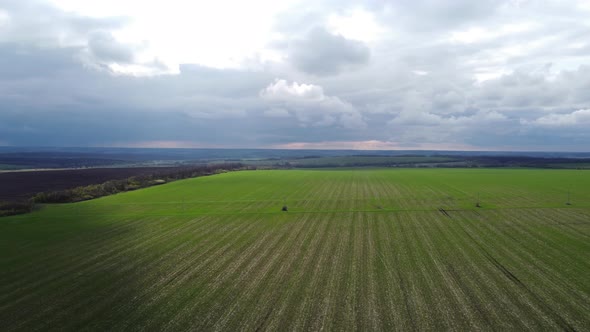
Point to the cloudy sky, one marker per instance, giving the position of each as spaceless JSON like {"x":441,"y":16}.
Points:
{"x":406,"y":74}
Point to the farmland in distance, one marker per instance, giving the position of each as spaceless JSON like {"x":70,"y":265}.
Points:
{"x":358,"y":249}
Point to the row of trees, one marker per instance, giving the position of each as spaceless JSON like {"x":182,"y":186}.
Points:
{"x":137,"y":182}
{"x":12,"y":208}
{"x":116,"y":186}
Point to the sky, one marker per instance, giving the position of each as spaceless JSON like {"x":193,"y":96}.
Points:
{"x":407,"y":74}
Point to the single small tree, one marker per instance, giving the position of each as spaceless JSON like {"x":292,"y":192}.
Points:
{"x":285,"y":208}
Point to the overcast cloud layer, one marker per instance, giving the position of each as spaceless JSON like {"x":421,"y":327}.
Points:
{"x":476,"y":75}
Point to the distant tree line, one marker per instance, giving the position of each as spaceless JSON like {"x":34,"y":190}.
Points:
{"x":116,"y":186}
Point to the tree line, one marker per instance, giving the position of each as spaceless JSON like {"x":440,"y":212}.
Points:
{"x":111,"y":187}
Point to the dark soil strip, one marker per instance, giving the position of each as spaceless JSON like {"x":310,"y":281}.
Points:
{"x":443,"y":211}
{"x":16,"y":186}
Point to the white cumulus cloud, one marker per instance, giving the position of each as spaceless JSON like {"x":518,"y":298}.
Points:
{"x":311,"y":105}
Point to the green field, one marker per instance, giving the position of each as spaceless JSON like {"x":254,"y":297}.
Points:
{"x":400,"y":249}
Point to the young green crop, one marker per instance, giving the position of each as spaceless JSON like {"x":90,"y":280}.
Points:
{"x":403,"y":249}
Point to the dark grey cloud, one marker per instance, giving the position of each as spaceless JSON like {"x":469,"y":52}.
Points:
{"x":104,"y":47}
{"x":19,"y":61}
{"x":323,"y":53}
{"x":509,"y":75}
{"x":428,"y":15}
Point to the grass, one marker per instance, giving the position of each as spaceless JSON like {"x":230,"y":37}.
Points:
{"x":401,"y":249}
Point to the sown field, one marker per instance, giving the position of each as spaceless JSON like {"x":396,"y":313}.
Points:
{"x":22,"y":185}
{"x":401,"y":249}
